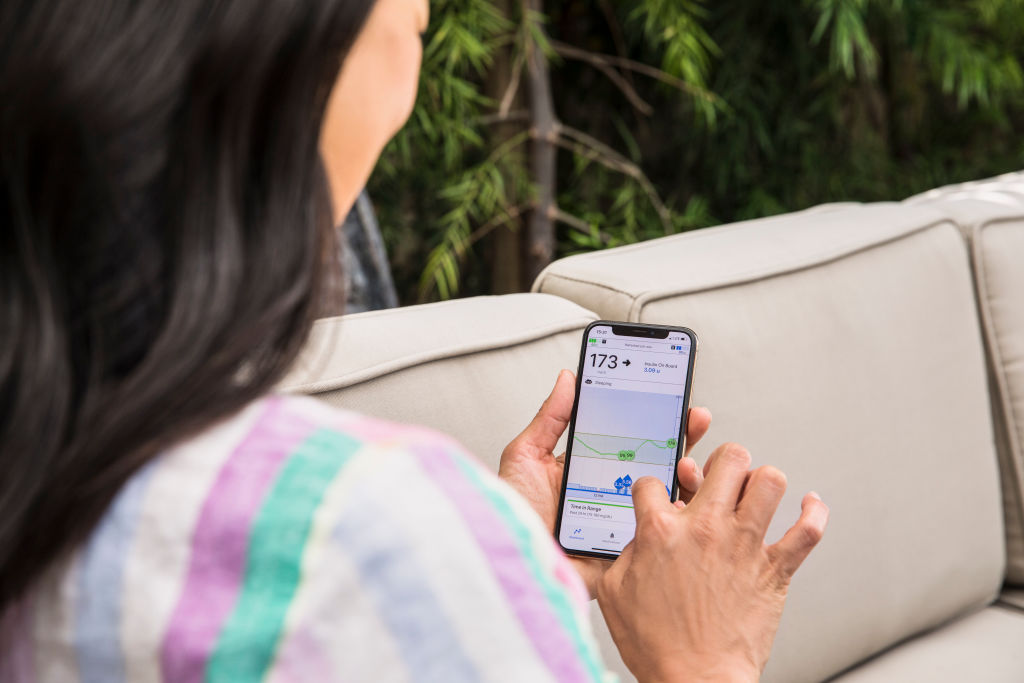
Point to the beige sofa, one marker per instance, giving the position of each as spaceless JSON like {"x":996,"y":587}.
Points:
{"x":874,"y":352}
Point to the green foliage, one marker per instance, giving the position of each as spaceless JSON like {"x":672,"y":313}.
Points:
{"x":437,"y":178}
{"x":964,"y":55}
{"x":700,"y":113}
{"x":674,"y":27}
{"x":849,"y":40}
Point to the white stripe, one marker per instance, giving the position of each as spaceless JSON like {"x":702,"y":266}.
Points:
{"x":332,"y":631}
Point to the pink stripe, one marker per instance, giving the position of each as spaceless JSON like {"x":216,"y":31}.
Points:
{"x":220,"y":541}
{"x":16,"y":646}
{"x":524,"y":595}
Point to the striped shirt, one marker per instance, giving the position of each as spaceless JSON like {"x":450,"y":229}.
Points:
{"x":295,"y":542}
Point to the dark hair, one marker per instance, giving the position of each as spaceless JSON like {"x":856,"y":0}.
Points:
{"x":164,"y":236}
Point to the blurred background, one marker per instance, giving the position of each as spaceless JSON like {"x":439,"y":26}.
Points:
{"x":545,"y":128}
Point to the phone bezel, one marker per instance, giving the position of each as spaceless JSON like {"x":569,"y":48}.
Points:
{"x":644,"y":330}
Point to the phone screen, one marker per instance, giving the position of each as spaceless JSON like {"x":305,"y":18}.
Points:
{"x":629,"y":423}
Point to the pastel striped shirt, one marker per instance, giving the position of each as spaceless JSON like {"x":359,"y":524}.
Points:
{"x":295,"y":542}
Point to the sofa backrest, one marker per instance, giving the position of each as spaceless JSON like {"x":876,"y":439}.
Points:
{"x":991,"y":215}
{"x":477,"y":369}
{"x":842,"y":345}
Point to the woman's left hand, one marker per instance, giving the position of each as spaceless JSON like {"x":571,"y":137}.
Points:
{"x":529,"y":465}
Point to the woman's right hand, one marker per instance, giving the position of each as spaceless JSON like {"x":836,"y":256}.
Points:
{"x":698,"y":594}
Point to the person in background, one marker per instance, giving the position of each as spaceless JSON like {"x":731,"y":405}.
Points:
{"x":169,"y":176}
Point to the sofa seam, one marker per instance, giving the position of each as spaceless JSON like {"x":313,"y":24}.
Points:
{"x":995,"y":352}
{"x":584,"y":282}
{"x":391,"y":367}
{"x":1008,"y":606}
{"x":391,"y":312}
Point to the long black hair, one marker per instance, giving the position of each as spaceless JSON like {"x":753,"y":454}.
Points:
{"x":165,"y":235}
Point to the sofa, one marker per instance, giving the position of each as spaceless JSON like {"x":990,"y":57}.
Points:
{"x":873,"y":352}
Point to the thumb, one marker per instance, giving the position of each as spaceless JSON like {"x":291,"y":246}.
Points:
{"x":551,"y":420}
{"x":649,"y":495}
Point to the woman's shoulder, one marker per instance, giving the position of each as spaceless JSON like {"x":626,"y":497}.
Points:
{"x":280,"y":460}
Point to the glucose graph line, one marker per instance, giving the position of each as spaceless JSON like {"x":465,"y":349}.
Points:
{"x":657,"y":444}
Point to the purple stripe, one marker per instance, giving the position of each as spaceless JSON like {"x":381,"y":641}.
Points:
{"x":220,"y":542}
{"x":524,"y":594}
{"x":16,"y":646}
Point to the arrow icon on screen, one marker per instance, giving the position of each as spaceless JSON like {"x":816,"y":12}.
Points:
{"x":626,"y":362}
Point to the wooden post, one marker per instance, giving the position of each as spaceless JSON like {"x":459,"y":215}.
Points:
{"x":540,"y":234}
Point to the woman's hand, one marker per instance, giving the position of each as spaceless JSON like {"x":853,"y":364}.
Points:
{"x":698,"y":594}
{"x":529,"y":465}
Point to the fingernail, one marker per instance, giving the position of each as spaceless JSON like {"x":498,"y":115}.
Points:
{"x":814,"y":494}
{"x":693,"y":466}
{"x":707,"y":409}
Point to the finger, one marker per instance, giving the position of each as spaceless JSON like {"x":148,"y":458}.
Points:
{"x":792,"y":549}
{"x":697,"y":425}
{"x":710,"y":461}
{"x":649,"y":496}
{"x":542,"y":434}
{"x":761,"y":496}
{"x":690,"y":478}
{"x":590,"y":570}
{"x":725,"y":476}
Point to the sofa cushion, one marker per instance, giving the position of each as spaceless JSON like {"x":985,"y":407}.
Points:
{"x":842,"y":346}
{"x":981,"y":647}
{"x":991,"y":214}
{"x":477,"y":369}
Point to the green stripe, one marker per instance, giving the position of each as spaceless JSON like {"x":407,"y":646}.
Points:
{"x":555,"y":592}
{"x":599,"y":502}
{"x":247,"y":644}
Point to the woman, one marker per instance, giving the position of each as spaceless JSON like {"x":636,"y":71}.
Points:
{"x":170,"y":173}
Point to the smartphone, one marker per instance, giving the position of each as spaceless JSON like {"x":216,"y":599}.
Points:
{"x":628,"y":421}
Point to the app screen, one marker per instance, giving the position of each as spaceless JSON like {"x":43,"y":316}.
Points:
{"x":627,"y":426}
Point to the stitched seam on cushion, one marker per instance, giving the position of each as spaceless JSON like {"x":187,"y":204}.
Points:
{"x":400,"y":310}
{"x":395,"y":365}
{"x":753,"y":276}
{"x":996,"y":350}
{"x":570,"y":278}
{"x":996,"y":354}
